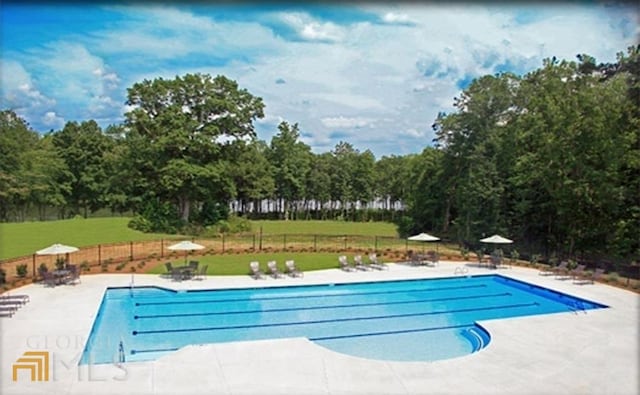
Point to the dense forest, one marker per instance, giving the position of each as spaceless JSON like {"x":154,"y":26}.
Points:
{"x":550,"y":158}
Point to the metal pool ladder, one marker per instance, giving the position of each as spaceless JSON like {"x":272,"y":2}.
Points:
{"x":460,"y":270}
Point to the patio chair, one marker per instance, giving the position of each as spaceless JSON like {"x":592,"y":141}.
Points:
{"x":358,"y":264}
{"x":74,"y":275}
{"x":546,"y":271}
{"x":344,"y":264}
{"x":49,"y":279}
{"x":256,"y":273}
{"x":292,"y":270}
{"x":415,"y":259}
{"x":433,"y":258}
{"x":373,"y":261}
{"x":202,"y":272}
{"x":273,"y":269}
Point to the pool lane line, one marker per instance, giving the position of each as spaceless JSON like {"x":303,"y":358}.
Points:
{"x":338,"y":306}
{"x":410,"y":290}
{"x":369,"y":334}
{"x":215,"y":328}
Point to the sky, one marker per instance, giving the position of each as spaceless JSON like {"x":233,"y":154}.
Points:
{"x":372,"y":74}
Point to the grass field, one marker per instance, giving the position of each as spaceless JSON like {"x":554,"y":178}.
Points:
{"x":237,"y":264}
{"x":326,"y":228}
{"x":20,"y":239}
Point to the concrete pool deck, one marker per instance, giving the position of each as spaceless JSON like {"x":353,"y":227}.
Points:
{"x":569,"y":353}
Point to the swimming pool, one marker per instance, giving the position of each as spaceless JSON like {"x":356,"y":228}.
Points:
{"x":409,"y":320}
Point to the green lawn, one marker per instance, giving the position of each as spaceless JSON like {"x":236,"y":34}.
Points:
{"x":326,"y":228}
{"x":237,"y":264}
{"x":18,"y":239}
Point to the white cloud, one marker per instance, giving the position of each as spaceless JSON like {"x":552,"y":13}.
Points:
{"x":396,"y":18}
{"x":313,"y":30}
{"x":52,"y":120}
{"x":346,"y":122}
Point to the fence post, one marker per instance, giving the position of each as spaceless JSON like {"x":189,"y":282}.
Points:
{"x":285,"y":241}
{"x":161,"y":248}
{"x":254,"y":241}
{"x":99,"y":254}
{"x":131,"y":250}
{"x":315,"y":243}
{"x":223,"y":243}
{"x":375,"y":243}
{"x":260,"y":245}
{"x":345,"y":242}
{"x":34,"y":265}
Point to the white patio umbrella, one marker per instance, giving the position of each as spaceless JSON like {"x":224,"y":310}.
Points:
{"x":496,"y":239}
{"x":425,"y":237}
{"x":185,"y":246}
{"x":56,"y":249}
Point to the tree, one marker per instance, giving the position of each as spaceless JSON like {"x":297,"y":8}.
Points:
{"x":83,"y":146}
{"x":290,"y":159}
{"x":176,"y":131}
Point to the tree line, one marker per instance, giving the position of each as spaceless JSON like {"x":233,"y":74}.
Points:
{"x":550,"y":158}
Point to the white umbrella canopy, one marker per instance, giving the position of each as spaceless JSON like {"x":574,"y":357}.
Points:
{"x":185,"y":246}
{"x":496,"y":239}
{"x":57,"y":249}
{"x":423,"y":237}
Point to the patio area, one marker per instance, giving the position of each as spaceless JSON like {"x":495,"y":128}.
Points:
{"x":572,"y":353}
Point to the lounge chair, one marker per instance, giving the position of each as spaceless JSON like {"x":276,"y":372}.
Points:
{"x":416,"y":259}
{"x":597,"y":275}
{"x":344,"y":264}
{"x":23,"y":299}
{"x":292,"y":270}
{"x":273,"y":269}
{"x":546,"y":271}
{"x":7,"y":311}
{"x":373,"y":261}
{"x":256,"y":273}
{"x":578,"y":272}
{"x":561,"y":270}
{"x":358,"y":264}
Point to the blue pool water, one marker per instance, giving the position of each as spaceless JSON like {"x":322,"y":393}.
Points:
{"x":412,"y":320}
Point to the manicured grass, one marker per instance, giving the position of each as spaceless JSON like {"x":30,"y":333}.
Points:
{"x":326,"y":228}
{"x":238,"y":264}
{"x":18,"y":239}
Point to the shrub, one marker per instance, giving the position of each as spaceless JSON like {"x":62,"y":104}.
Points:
{"x":514,"y":255}
{"x":613,"y":277}
{"x":84,"y":266}
{"x":43,"y":268}
{"x":120,"y":266}
{"x":21,"y":270}
{"x":60,"y":263}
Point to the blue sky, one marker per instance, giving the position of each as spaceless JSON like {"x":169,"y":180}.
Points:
{"x":371,"y":74}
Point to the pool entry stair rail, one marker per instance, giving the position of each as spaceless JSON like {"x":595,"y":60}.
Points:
{"x":460,"y":271}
